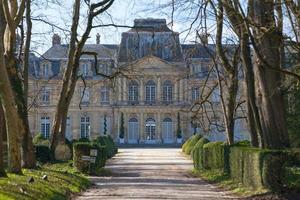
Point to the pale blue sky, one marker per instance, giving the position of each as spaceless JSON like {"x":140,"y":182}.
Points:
{"x":122,"y":12}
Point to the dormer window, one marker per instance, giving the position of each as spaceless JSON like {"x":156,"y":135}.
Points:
{"x":46,"y":70}
{"x":85,"y":70}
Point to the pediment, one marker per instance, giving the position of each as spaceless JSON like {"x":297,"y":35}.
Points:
{"x":153,"y":63}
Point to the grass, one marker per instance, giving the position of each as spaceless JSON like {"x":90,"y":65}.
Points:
{"x":63,"y":179}
{"x":292,"y":178}
{"x":224,"y":181}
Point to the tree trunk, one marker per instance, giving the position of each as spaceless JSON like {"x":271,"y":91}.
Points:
{"x":252,"y":110}
{"x":28,"y":155}
{"x":266,"y":68}
{"x":56,"y":129}
{"x":13,"y":123}
{"x":2,"y":132}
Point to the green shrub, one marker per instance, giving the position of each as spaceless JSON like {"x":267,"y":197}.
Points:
{"x":83,"y":149}
{"x":257,"y":168}
{"x":109,"y":144}
{"x":39,"y":139}
{"x":197,"y":153}
{"x":189,"y":145}
{"x":215,"y":156}
{"x":42,"y":153}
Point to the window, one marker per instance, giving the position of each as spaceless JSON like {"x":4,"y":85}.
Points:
{"x":85,"y":95}
{"x":68,"y":129}
{"x":85,"y":127}
{"x":45,"y":126}
{"x":167,"y":92}
{"x":150,"y":92}
{"x":150,"y":128}
{"x":195,"y":93}
{"x":133,"y":131}
{"x":167,"y":130}
{"x":215,"y":95}
{"x":133,"y":92}
{"x":45,"y":95}
{"x":46,"y":70}
{"x":85,"y":69}
{"x":104,"y":95}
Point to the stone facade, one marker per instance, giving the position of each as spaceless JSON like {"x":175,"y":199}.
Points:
{"x":159,"y":79}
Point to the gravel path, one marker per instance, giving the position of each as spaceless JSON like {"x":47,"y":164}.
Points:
{"x":151,"y":173}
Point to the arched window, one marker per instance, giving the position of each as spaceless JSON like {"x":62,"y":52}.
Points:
{"x":167,"y":92}
{"x":150,"y":129}
{"x":133,"y":131}
{"x":133,"y":94}
{"x":150,"y":92}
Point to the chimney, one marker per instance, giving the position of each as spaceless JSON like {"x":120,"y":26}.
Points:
{"x":56,"y":40}
{"x":98,"y":38}
{"x":202,"y":38}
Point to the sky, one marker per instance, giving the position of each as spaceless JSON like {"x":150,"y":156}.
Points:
{"x":122,"y":12}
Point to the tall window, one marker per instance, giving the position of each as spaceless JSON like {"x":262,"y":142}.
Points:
{"x":195,"y":93}
{"x":167,"y":92}
{"x":85,"y":127}
{"x":215,"y":95}
{"x":150,"y":92}
{"x":45,"y":95}
{"x":85,"y":69}
{"x":68,"y":129}
{"x":85,"y":95}
{"x":133,"y":94}
{"x":104,"y":95}
{"x":45,"y":126}
{"x":45,"y":70}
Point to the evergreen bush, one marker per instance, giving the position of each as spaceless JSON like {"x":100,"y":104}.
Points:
{"x":42,"y":153}
{"x":197,"y":153}
{"x":191,"y":143}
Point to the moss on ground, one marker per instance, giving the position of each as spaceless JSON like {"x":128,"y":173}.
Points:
{"x":63,"y":179}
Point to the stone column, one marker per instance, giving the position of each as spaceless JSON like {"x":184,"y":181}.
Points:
{"x":125,"y":126}
{"x":124,"y":90}
{"x":186,"y":94}
{"x":181,"y":90}
{"x":141,"y":127}
{"x":119,"y":93}
{"x":175,"y":91}
{"x":141,"y":91}
{"x":158,"y":122}
{"x":159,"y":95}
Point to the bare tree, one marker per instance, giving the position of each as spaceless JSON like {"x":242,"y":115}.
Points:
{"x":71,"y":73}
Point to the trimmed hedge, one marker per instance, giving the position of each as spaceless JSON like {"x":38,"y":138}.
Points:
{"x":190,"y":143}
{"x":109,"y":144}
{"x":216,"y":156}
{"x":197,"y":153}
{"x":257,"y":168}
{"x":252,"y":167}
{"x":83,"y":149}
{"x":42,"y":153}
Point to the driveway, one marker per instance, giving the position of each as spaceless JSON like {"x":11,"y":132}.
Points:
{"x":151,"y":173}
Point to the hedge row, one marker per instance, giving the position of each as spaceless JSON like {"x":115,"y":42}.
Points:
{"x":105,"y":147}
{"x":188,"y":146}
{"x":83,"y":149}
{"x":252,"y":167}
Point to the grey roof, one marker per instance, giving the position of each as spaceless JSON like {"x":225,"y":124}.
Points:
{"x":150,"y":25}
{"x":61,"y":51}
{"x":197,"y":51}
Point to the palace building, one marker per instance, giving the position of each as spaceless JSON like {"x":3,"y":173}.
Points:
{"x":157,"y":80}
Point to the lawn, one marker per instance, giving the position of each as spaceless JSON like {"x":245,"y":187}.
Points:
{"x":63,"y":180}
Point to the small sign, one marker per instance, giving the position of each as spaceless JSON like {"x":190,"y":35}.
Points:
{"x":93,"y":159}
{"x":86,"y":158}
{"x":93,"y":152}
